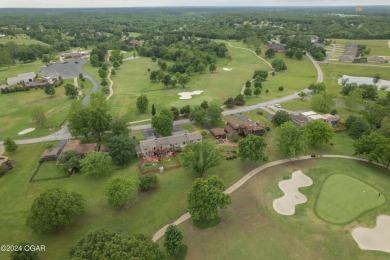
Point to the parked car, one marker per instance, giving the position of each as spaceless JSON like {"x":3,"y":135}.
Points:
{"x":278,"y":106}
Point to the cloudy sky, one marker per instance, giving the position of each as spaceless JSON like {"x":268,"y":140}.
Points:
{"x":140,"y":3}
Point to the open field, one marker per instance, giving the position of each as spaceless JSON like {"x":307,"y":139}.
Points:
{"x":152,"y":210}
{"x":251,"y":229}
{"x":344,"y":198}
{"x":16,"y":108}
{"x":378,"y":47}
{"x":132,"y":79}
{"x":21,"y":40}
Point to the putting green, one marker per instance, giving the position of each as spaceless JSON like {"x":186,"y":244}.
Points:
{"x":343,"y":198}
{"x":192,"y":102}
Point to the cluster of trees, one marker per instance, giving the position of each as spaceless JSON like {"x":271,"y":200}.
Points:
{"x":170,"y":80}
{"x":294,"y":52}
{"x":10,"y":52}
{"x":206,"y":115}
{"x":237,"y":101}
{"x":293,"y":141}
{"x":92,"y":119}
{"x":278,"y":65}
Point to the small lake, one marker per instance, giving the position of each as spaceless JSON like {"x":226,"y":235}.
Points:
{"x":365,"y":80}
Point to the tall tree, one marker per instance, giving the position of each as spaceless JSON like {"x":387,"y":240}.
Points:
{"x":319,"y":133}
{"x":100,"y":118}
{"x":122,"y":148}
{"x":206,"y":197}
{"x":270,"y":53}
{"x":375,"y":113}
{"x":10,"y":145}
{"x":212,"y":67}
{"x":252,"y":147}
{"x":38,"y":115}
{"x":323,"y":102}
{"x":142,"y":103}
{"x":291,"y":141}
{"x":317,"y":87}
{"x":280,"y":117}
{"x":121,"y":192}
{"x":71,"y":90}
{"x":105,"y":244}
{"x":55,"y":209}
{"x":359,"y":127}
{"x":173,"y":239}
{"x":201,"y":156}
{"x":375,"y":146}
{"x":153,"y":110}
{"x":79,"y":119}
{"x":162,"y":124}
{"x":96,"y":164}
{"x":49,"y":90}
{"x":119,"y":127}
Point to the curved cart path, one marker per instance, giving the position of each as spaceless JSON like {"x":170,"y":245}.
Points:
{"x":160,"y":233}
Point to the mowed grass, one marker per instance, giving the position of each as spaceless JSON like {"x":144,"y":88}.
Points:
{"x":132,"y":80}
{"x":251,"y":229}
{"x":378,"y":47}
{"x":21,"y":40}
{"x":16,"y":108}
{"x":343,"y":198}
{"x":19,"y":68}
{"x":299,"y":75}
{"x":152,"y":210}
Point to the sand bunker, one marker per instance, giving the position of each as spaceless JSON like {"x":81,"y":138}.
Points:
{"x":376,"y":238}
{"x":26,"y":131}
{"x":188,"y":95}
{"x":286,"y":204}
{"x":227,"y":69}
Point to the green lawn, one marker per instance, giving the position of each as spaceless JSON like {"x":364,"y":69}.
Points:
{"x":132,"y":80}
{"x":21,"y":40}
{"x":152,"y":211}
{"x":343,"y":198}
{"x":16,"y":108}
{"x":50,"y":170}
{"x":251,"y":229}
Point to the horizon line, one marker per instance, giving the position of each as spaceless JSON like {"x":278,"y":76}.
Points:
{"x":194,"y":6}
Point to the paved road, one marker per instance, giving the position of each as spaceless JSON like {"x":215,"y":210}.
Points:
{"x":320,"y":75}
{"x":249,"y":175}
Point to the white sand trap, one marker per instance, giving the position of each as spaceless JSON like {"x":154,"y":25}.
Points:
{"x":286,"y":204}
{"x":188,"y":95}
{"x":377,"y":238}
{"x":26,"y":131}
{"x":227,"y":69}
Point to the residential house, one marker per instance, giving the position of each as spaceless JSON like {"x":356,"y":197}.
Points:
{"x":218,"y":133}
{"x":164,"y":145}
{"x":302,"y":118}
{"x":21,"y":78}
{"x":81,"y":149}
{"x":245,"y":128}
{"x":135,"y":43}
{"x":314,"y":38}
{"x":347,"y":58}
{"x":278,"y":47}
{"x":376,"y":59}
{"x":2,"y":35}
{"x":51,"y":154}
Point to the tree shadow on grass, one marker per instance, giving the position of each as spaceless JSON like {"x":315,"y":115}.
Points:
{"x":207,"y":223}
{"x":181,"y":255}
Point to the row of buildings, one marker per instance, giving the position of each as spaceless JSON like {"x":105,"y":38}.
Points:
{"x":351,"y":54}
{"x":29,"y":79}
{"x":52,"y":154}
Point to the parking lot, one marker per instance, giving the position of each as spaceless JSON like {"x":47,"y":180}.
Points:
{"x":67,"y":69}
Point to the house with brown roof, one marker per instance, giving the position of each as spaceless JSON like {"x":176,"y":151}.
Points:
{"x":81,"y":149}
{"x":278,"y":47}
{"x":245,"y":128}
{"x":51,"y":154}
{"x":5,"y":165}
{"x":164,"y":145}
{"x":218,"y":133}
{"x":135,"y":43}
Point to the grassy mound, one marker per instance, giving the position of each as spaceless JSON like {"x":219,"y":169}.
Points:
{"x":343,"y":198}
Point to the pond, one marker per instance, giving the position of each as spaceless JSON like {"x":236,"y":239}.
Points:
{"x":366,"y":80}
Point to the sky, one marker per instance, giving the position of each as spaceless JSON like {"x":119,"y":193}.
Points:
{"x":151,"y":3}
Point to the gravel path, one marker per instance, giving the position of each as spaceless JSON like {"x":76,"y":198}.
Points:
{"x":160,"y":233}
